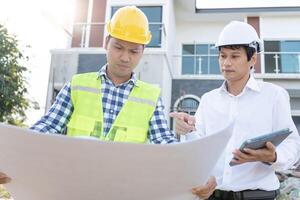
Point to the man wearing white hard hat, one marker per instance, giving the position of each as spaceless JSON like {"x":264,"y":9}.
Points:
{"x":257,"y":107}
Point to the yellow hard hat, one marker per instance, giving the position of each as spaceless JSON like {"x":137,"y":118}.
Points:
{"x":130,"y":24}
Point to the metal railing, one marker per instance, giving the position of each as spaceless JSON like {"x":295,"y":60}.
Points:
{"x":282,"y":62}
{"x":158,"y":32}
{"x":198,"y":64}
{"x":272,"y":62}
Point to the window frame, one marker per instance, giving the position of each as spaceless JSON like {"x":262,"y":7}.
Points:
{"x":279,"y":40}
{"x":209,"y":56}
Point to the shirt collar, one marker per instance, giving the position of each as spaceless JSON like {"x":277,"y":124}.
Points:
{"x":132,"y":80}
{"x":252,"y":84}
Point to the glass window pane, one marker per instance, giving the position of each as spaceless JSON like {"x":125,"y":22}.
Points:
{"x":290,"y":62}
{"x":202,"y":49}
{"x":213,"y":59}
{"x":290,"y":46}
{"x":113,"y":10}
{"x":270,"y":58}
{"x":286,"y":62}
{"x":214,"y":65}
{"x":202,"y":65}
{"x":188,"y":105}
{"x":271,"y":46}
{"x":188,"y":65}
{"x":188,"y":49}
{"x":156,"y":35}
{"x":270,"y":63}
{"x":213,"y":49}
{"x":153,"y":13}
{"x":207,"y":63}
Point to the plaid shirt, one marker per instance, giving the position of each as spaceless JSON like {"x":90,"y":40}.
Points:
{"x":113,"y":99}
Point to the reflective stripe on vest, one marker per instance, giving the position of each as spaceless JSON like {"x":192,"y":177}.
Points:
{"x":87,"y":89}
{"x":132,"y":122}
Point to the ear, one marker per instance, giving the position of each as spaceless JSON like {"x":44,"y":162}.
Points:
{"x":253,"y":59}
{"x":107,"y":38}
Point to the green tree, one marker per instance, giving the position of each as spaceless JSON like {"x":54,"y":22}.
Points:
{"x":13,"y":102}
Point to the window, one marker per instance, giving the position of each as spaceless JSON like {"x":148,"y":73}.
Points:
{"x":282,"y":56}
{"x":154,"y":15}
{"x":188,"y":105}
{"x":199,"y":59}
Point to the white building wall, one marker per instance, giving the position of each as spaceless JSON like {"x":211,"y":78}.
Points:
{"x":166,"y":87}
{"x":150,"y":68}
{"x":170,"y":28}
{"x":168,"y":61}
{"x":200,"y":32}
{"x":195,"y":32}
{"x":280,"y":27}
{"x":63,"y":67}
{"x":153,"y":68}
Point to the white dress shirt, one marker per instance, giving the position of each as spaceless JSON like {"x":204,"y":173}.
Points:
{"x":259,"y":109}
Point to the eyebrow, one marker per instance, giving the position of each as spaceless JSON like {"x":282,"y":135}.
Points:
{"x":132,"y":49}
{"x":234,"y":52}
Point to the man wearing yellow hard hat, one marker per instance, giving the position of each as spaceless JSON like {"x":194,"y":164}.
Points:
{"x":112,"y":104}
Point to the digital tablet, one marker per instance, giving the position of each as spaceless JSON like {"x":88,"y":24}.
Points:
{"x":259,"y":142}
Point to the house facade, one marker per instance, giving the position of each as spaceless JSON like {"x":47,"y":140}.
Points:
{"x":181,"y":59}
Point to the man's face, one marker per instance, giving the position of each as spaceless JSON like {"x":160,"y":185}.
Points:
{"x":122,"y":57}
{"x":234,"y":64}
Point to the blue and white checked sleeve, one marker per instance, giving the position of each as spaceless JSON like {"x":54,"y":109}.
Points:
{"x":58,"y":116}
{"x":159,"y":132}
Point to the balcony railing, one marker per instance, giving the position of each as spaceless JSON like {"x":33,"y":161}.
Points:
{"x":198,"y":64}
{"x":282,"y":62}
{"x":204,"y":64}
{"x":95,"y":30}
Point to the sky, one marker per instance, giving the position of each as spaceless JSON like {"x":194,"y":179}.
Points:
{"x":42,"y":25}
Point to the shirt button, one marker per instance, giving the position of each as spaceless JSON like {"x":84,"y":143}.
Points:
{"x":111,"y":111}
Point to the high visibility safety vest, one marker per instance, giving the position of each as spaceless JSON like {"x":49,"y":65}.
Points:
{"x":130,"y":125}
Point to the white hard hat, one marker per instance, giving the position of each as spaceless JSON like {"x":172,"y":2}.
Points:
{"x":239,"y":33}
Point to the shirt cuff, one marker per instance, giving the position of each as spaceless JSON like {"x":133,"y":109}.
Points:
{"x":279,"y":163}
{"x":189,"y":137}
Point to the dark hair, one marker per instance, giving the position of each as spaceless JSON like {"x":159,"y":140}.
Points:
{"x":249,"y":50}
